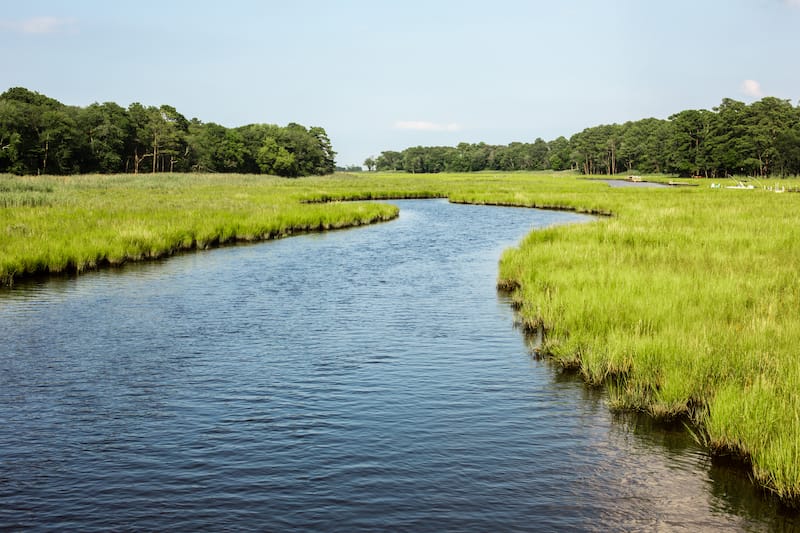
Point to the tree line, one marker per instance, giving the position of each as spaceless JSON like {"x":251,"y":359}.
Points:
{"x":40,"y":135}
{"x":760,"y":139}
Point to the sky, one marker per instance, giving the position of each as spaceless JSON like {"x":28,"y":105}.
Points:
{"x":388,"y":74}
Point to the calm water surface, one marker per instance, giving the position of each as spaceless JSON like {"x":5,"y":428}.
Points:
{"x":356,"y":380}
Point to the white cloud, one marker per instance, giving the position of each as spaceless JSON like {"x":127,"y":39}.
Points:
{"x":752,"y":88}
{"x":422,"y":125}
{"x":792,"y":3}
{"x":37,"y":25}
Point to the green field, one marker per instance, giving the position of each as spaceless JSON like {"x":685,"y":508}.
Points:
{"x":684,"y":301}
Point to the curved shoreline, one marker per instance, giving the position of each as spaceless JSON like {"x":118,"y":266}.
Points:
{"x":638,"y":243}
{"x":74,"y":267}
{"x":617,"y":371}
{"x":690,"y":419}
{"x":215,"y":241}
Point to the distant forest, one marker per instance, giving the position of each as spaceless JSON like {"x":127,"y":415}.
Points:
{"x":760,"y":139}
{"x":40,"y":135}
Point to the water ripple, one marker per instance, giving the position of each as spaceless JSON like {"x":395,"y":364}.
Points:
{"x":358,"y":380}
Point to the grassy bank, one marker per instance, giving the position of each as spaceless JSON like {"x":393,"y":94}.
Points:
{"x":51,"y":225}
{"x":684,"y":302}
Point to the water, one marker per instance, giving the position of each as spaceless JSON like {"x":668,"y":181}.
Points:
{"x":367,"y":379}
{"x":639,"y":184}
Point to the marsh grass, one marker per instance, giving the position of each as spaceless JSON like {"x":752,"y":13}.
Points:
{"x":83,"y":222}
{"x":23,"y":192}
{"x":684,"y":302}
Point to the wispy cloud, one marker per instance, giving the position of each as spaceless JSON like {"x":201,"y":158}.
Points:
{"x":422,"y":125}
{"x":752,"y":88}
{"x":38,"y":25}
{"x":792,"y":3}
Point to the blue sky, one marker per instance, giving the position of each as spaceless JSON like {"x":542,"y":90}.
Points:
{"x":385,"y":75}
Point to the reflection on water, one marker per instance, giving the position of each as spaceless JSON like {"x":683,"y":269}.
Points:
{"x":356,"y":380}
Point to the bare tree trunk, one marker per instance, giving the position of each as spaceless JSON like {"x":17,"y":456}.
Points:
{"x":155,"y":152}
{"x":613,"y":158}
{"x":138,"y":160}
{"x":46,"y":150}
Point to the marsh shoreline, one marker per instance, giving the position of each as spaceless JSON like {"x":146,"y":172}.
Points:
{"x":615,"y":239}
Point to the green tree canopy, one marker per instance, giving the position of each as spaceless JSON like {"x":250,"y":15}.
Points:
{"x":760,"y":139}
{"x":41,"y":135}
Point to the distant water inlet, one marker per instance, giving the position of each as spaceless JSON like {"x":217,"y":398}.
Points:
{"x":634,"y":183}
{"x":365,"y":379}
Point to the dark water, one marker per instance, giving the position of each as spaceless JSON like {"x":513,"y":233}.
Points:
{"x":367,"y":379}
{"x":636,"y":184}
